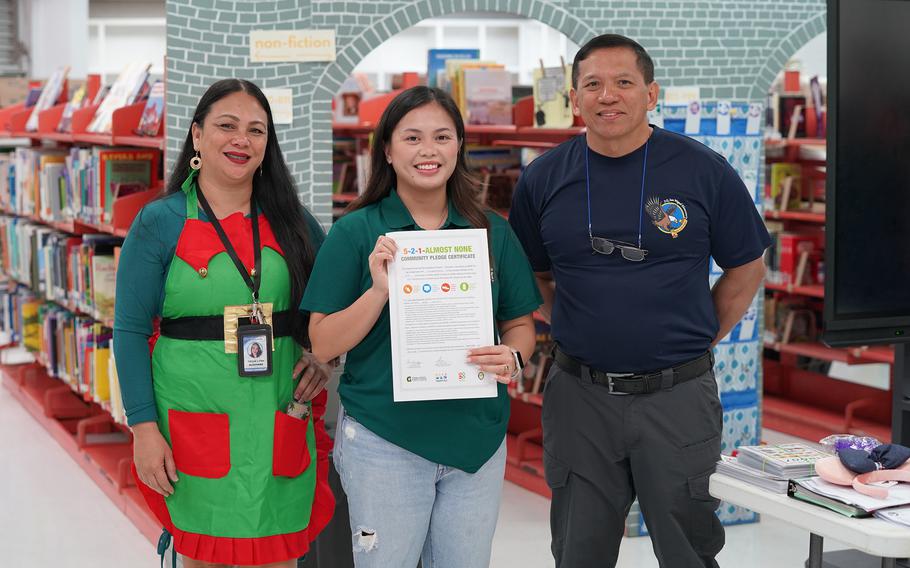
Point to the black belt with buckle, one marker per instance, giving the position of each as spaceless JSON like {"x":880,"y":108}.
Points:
{"x":211,"y":328}
{"x":637,"y":383}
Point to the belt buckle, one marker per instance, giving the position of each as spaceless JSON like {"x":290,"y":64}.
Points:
{"x":611,"y":388}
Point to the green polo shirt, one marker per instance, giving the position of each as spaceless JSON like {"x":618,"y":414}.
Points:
{"x":457,"y":433}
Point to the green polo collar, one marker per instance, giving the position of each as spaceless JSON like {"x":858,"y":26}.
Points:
{"x":397,"y":216}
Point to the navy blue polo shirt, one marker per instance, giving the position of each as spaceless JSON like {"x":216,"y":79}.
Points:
{"x":622,"y":316}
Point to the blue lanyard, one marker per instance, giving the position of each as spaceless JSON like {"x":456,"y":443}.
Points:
{"x":644,"y":167}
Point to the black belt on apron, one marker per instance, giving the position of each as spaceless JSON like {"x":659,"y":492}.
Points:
{"x":212,"y":327}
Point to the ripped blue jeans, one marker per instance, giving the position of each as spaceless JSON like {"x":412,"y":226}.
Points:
{"x":404,"y":507}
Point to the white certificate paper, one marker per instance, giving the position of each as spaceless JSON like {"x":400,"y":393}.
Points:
{"x":440,"y":305}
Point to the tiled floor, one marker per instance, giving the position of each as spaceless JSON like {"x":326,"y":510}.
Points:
{"x":52,"y":515}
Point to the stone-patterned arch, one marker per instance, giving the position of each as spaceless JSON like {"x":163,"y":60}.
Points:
{"x":406,"y":16}
{"x":329,"y":80}
{"x":789,"y":45}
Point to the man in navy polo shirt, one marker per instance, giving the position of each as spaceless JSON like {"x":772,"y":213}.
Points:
{"x":619,"y":226}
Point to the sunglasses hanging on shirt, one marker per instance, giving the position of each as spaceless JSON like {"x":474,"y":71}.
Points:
{"x":604,"y":246}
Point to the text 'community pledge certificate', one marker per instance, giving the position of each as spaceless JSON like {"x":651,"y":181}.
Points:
{"x":440,"y":305}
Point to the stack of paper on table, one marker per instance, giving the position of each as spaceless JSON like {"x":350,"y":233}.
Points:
{"x":732,"y":467}
{"x":787,"y":461}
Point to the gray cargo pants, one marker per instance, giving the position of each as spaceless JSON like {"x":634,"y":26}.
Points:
{"x":602,"y":449}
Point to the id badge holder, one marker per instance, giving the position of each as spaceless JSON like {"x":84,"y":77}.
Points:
{"x":254,"y":349}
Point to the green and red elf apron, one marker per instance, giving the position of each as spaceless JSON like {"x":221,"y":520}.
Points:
{"x":252,"y":483}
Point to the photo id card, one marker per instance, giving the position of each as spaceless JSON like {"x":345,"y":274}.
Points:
{"x":254,"y":349}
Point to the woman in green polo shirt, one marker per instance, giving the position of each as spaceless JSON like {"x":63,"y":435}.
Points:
{"x":423,"y":479}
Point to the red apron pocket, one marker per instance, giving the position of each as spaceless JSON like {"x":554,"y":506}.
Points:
{"x":290,"y":454}
{"x":201,"y":442}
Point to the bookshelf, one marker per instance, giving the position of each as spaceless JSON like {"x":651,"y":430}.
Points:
{"x":68,"y":388}
{"x":800,"y":398}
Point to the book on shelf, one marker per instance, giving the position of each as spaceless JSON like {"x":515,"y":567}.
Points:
{"x":436,"y":64}
{"x":31,"y":325}
{"x":552,"y":107}
{"x":26,"y":191}
{"x":79,"y":185}
{"x":455,"y":77}
{"x":121,"y":166}
{"x":126,"y":90}
{"x":72,"y":271}
{"x":785,"y":116}
{"x":31,"y":98}
{"x":48,"y":97}
{"x":103,"y":90}
{"x":362,"y":164}
{"x":783,"y":460}
{"x":76,"y":102}
{"x":150,"y":121}
{"x":103,"y":278}
{"x":7,"y":167}
{"x":51,"y":168}
{"x":488,"y":96}
{"x":116,"y":402}
{"x":73,"y":348}
{"x":781,"y":174}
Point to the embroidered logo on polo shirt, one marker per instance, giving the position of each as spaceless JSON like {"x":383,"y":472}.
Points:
{"x":668,"y":215}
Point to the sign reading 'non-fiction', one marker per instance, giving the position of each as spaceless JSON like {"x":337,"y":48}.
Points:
{"x":272,"y":46}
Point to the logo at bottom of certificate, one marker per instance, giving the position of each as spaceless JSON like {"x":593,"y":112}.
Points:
{"x":413,"y":379}
{"x":442,"y":377}
{"x":461,"y":376}
{"x":480,"y":375}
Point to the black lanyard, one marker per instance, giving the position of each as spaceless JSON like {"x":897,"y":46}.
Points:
{"x":254,"y":282}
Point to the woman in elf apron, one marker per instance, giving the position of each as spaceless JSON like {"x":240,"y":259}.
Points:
{"x":230,"y":449}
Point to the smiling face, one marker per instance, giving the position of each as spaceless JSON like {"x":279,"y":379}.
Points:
{"x":423,"y":149}
{"x":613,"y":98}
{"x":232,"y":140}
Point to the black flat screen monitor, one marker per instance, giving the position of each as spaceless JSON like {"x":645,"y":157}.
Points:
{"x":867,"y":281}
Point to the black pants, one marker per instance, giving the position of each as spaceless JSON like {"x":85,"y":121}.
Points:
{"x":602,"y":449}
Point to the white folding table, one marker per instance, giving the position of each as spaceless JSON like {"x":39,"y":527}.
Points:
{"x":872,"y":536}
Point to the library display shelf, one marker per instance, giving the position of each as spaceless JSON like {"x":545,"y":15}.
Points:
{"x":811,"y":290}
{"x":124,"y":210}
{"x":86,"y":432}
{"x":524,"y":447}
{"x":814,"y":423}
{"x":125,"y":121}
{"x":796,"y":149}
{"x":804,"y":216}
{"x":848,"y":355}
{"x":800,"y":398}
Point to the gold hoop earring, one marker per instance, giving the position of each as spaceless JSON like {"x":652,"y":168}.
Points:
{"x":196,"y":161}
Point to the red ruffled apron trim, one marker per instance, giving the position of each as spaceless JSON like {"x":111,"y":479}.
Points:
{"x":262,"y":550}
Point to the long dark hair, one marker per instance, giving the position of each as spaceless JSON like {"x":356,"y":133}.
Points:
{"x":274,"y":191}
{"x":461,"y":187}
